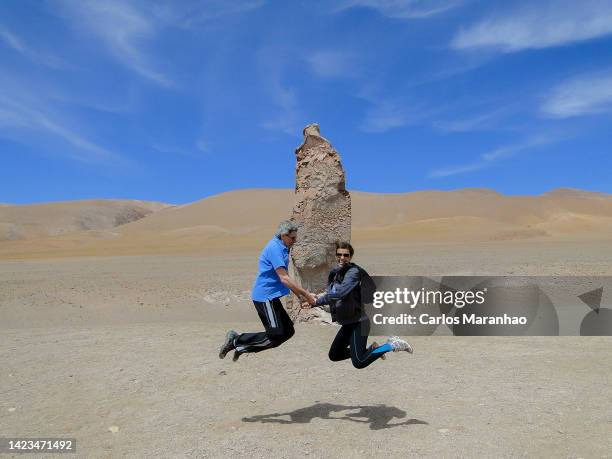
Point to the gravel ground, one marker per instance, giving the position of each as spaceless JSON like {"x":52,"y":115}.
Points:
{"x":120,"y":353}
{"x":164,"y":392}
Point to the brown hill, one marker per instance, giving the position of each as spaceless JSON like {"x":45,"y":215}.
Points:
{"x":244,"y":219}
{"x":56,"y":218}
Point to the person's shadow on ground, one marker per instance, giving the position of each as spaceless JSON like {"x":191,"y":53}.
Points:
{"x":378,"y":416}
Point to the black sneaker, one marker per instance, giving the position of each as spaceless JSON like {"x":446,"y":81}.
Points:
{"x":228,"y":344}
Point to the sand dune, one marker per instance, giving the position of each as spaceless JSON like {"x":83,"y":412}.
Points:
{"x":480,"y":214}
{"x":244,"y":219}
{"x":249,"y":210}
{"x":235,"y":211}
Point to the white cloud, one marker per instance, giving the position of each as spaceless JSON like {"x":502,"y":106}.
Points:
{"x":272,"y":66}
{"x":200,"y":146}
{"x":92,"y":151}
{"x":456,"y":170}
{"x":123,"y":29}
{"x":402,"y":9}
{"x":119,"y":103}
{"x":539,"y":25}
{"x":37,"y":57}
{"x":26,"y":118}
{"x":581,"y":96}
{"x":484,"y":121}
{"x":333,"y":64}
{"x":491,"y":157}
{"x":384,"y":116}
{"x":287,"y":120}
{"x":171,"y":149}
{"x":194,"y":13}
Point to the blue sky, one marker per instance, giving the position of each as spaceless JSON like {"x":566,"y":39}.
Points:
{"x":176,"y":101}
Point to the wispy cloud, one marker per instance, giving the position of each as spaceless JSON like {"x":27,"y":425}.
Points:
{"x":402,"y":9}
{"x":333,"y":64}
{"x":200,"y":147}
{"x":456,"y":170}
{"x":488,"y":120}
{"x":33,"y":121}
{"x":491,"y":157}
{"x":273,"y":63}
{"x":203,"y":145}
{"x":86,"y":150}
{"x":474,"y":123}
{"x":585,"y":95}
{"x":17,"y":44}
{"x":28,"y":119}
{"x":287,"y":119}
{"x":539,"y":25}
{"x":123,"y":29}
{"x":384,"y":116}
{"x":118,"y":104}
{"x":190,"y":13}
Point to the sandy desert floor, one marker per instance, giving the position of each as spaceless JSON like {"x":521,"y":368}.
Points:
{"x":87,"y":344}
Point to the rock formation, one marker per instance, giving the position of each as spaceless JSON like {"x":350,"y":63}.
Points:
{"x":322,"y":211}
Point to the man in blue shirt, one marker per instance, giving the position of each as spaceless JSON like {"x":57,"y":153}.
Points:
{"x":273,"y":282}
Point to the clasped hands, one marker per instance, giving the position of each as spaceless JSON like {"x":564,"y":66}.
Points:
{"x":309,"y":300}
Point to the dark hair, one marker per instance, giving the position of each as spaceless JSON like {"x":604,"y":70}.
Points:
{"x":345,"y":245}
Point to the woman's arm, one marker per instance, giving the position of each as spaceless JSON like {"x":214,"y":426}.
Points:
{"x":350,"y":281}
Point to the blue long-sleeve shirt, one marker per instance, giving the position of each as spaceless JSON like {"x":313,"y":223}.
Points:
{"x":336,"y":291}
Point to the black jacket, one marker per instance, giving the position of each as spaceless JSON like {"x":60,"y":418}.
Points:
{"x":344,"y":294}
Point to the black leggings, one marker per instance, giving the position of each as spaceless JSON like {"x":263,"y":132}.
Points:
{"x":351,"y":342}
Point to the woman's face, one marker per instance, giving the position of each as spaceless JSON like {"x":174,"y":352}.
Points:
{"x":343,"y":256}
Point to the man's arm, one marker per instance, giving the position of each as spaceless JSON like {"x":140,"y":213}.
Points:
{"x":350,"y":281}
{"x":294,"y":287}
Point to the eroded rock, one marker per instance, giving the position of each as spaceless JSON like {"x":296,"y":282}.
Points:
{"x":322,"y":211}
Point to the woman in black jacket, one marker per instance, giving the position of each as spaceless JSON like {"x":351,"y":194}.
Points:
{"x":346,"y":307}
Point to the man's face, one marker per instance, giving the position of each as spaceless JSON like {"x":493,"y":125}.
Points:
{"x":289,"y":239}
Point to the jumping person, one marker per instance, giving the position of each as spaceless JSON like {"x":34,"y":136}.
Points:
{"x":346,"y":307}
{"x":272,"y":283}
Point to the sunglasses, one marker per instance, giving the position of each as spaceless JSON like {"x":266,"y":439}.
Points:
{"x":340,"y":255}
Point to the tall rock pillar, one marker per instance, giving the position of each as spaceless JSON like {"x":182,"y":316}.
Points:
{"x":322,"y":211}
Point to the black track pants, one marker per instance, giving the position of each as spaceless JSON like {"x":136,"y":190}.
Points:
{"x":351,"y":342}
{"x":278,"y":325}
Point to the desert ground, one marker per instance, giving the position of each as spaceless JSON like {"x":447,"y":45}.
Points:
{"x":110,"y":335}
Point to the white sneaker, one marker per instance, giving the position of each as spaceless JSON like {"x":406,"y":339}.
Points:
{"x":398,"y":344}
